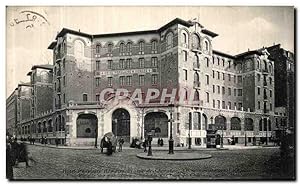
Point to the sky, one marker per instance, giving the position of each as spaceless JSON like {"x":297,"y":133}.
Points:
{"x":239,"y":29}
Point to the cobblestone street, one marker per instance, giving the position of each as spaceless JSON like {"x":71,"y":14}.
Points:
{"x":52,"y":163}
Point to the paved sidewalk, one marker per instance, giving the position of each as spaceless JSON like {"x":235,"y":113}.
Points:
{"x":164,"y":148}
{"x":176,"y":156}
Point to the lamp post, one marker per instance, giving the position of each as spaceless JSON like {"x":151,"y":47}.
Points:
{"x":171,"y":141}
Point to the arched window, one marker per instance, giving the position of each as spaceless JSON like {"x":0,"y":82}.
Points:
{"x":220,"y":122}
{"x":98,"y":48}
{"x":206,"y":45}
{"x":79,"y":48}
{"x":258,"y":64}
{"x":196,"y":61}
{"x":196,"y":96}
{"x":141,"y":46}
{"x":169,"y":40}
{"x":196,"y":80}
{"x":154,"y":45}
{"x":129,"y":47}
{"x":122,"y":48}
{"x":196,"y":121}
{"x":109,"y":48}
{"x":265,"y":65}
{"x":184,"y":38}
{"x":249,"y":124}
{"x":84,"y":97}
{"x":207,"y":62}
{"x":271,"y":68}
{"x":235,"y":123}
{"x":195,"y":41}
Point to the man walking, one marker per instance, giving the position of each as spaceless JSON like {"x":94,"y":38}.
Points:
{"x":121,"y":142}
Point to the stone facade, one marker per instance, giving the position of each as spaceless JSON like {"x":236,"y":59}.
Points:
{"x":235,"y":94}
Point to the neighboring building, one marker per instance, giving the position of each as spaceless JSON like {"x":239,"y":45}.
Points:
{"x":11,"y":113}
{"x":284,"y":81}
{"x":233,"y":93}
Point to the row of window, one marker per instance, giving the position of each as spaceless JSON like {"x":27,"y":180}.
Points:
{"x":236,"y":79}
{"x":264,"y":78}
{"x":217,"y":104}
{"x":265,"y":106}
{"x":236,"y":92}
{"x":127,"y":80}
{"x":265,"y":92}
{"x":127,"y":64}
{"x":195,"y":41}
{"x":127,"y":47}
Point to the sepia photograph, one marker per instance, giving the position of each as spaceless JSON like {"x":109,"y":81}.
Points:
{"x":150,"y":93}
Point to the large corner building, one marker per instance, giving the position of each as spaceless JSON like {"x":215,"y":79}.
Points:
{"x":237,"y":94}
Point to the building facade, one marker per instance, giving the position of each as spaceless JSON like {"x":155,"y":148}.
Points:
{"x":233,"y":94}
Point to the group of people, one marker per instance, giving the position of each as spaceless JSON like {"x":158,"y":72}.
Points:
{"x":160,"y":142}
{"x":15,"y":153}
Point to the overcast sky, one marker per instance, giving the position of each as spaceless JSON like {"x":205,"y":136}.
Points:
{"x":239,"y":28}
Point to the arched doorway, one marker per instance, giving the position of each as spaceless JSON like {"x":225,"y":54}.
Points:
{"x":157,"y":121}
{"x":87,"y":126}
{"x":235,"y":123}
{"x":121,"y":124}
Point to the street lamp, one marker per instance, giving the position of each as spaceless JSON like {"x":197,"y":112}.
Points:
{"x":171,"y":141}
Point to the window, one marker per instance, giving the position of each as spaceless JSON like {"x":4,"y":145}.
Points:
{"x":109,"y":48}
{"x":234,"y":92}
{"x":218,"y":89}
{"x":141,"y":62}
{"x":240,"y":106}
{"x":98,"y":65}
{"x":109,"y":62}
{"x":128,"y":80}
{"x":185,"y":55}
{"x":185,"y":74}
{"x":129,"y":46}
{"x":229,"y":77}
{"x":122,"y":80}
{"x":258,"y":104}
{"x":141,"y":80}
{"x":229,"y":105}
{"x":218,"y":60}
{"x":214,"y":59}
{"x":129,"y":63}
{"x":223,"y":90}
{"x":213,"y":74}
{"x":270,"y":93}
{"x":234,"y":79}
{"x":239,"y":79}
{"x":154,"y":61}
{"x":97,"y":97}
{"x":64,"y":98}
{"x":196,"y":80}
{"x":213,"y":88}
{"x":239,"y":92}
{"x":154,"y":79}
{"x":223,"y":62}
{"x":234,"y":105}
{"x":109,"y":79}
{"x":223,"y":104}
{"x":97,"y":82}
{"x":64,"y":81}
{"x":206,"y":45}
{"x":229,"y":91}
{"x":122,"y":48}
{"x":258,"y":77}
{"x":122,"y":64}
{"x":219,"y":104}
{"x":207,"y":97}
{"x":207,"y":79}
{"x":229,"y":64}
{"x":218,"y":75}
{"x":154,"y":45}
{"x":207,"y":62}
{"x":169,"y":40}
{"x":84,"y":97}
{"x":257,"y":64}
{"x":141,"y":46}
{"x":270,"y":79}
{"x":223,"y":74}
{"x":184,"y":38}
{"x":214,"y":104}
{"x":98,"y":48}
{"x":195,"y":41}
{"x":271,"y":107}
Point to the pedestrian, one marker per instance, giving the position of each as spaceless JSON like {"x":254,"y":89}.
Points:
{"x":109,"y":148}
{"x":23,"y":154}
{"x":145,"y":144}
{"x":45,"y":140}
{"x":56,"y":142}
{"x":9,"y":162}
{"x":121,"y":142}
{"x":158,"y":142}
{"x":33,"y":140}
{"x":161,"y":142}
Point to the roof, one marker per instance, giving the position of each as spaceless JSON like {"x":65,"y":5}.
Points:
{"x":175,"y":21}
{"x":42,"y":66}
{"x":223,"y":54}
{"x":250,"y":52}
{"x":24,"y":84}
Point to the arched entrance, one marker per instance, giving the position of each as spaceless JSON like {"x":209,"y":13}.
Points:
{"x":87,"y":126}
{"x":220,"y":122}
{"x":157,"y":121}
{"x":121,"y":124}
